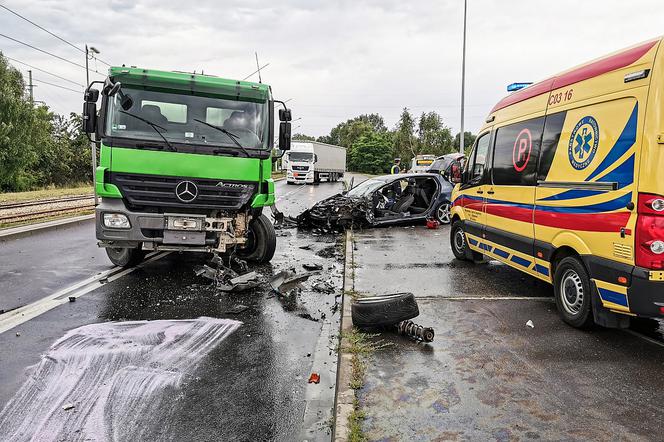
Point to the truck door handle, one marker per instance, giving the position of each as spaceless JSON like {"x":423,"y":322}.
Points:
{"x":480,"y":191}
{"x":491,"y":192}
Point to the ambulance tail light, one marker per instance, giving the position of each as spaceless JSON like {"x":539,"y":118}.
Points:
{"x":650,"y":232}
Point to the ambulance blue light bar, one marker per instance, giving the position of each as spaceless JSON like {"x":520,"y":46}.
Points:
{"x":516,"y":86}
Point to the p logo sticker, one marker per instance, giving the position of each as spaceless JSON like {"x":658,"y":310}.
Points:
{"x":522,"y":148}
{"x":583,"y":143}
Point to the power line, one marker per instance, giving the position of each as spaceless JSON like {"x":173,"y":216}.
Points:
{"x":48,"y":32}
{"x":47,"y":53}
{"x":57,"y":85}
{"x":42,"y":70}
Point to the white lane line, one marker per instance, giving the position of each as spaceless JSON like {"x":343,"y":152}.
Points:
{"x":485,"y":298}
{"x":23,"y":314}
{"x":644,"y":337}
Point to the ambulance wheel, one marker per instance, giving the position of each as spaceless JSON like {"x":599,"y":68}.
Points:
{"x":460,"y":245}
{"x":125,"y":257}
{"x":261,"y":241}
{"x":573,"y":293}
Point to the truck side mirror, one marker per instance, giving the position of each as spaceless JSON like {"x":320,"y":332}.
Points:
{"x":285,"y":115}
{"x":89,"y":117}
{"x":315,"y":158}
{"x":91,"y":95}
{"x":284,"y":135}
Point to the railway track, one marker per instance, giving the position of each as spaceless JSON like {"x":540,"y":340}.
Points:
{"x":65,"y":199}
{"x":32,"y":210}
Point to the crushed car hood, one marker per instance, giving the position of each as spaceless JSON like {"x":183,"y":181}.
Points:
{"x":337,"y":213}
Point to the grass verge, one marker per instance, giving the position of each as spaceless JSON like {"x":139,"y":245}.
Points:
{"x":360,"y":345}
{"x":43,"y":220}
{"x":55,"y":192}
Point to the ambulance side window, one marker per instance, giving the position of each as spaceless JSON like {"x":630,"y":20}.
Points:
{"x":552,"y":128}
{"x":477,"y":161}
{"x":516,"y":151}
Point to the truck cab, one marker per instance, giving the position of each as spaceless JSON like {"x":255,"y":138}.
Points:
{"x":185,"y":163}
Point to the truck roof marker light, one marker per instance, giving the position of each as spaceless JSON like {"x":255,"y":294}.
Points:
{"x":622,"y":280}
{"x":638,"y":75}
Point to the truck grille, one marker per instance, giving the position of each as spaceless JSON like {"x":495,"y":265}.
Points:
{"x":300,"y":168}
{"x":155,"y":190}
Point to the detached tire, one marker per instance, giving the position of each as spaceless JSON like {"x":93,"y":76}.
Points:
{"x":573,"y":292}
{"x":124,"y":257}
{"x":262,"y":241}
{"x":379,"y":311}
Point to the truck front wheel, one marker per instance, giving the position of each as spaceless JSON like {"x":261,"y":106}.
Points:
{"x":125,"y":257}
{"x":262,"y":241}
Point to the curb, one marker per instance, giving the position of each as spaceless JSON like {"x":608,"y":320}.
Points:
{"x":343,"y":404}
{"x":23,"y":231}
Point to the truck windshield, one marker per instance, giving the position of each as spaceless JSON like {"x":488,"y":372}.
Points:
{"x":300,"y":156}
{"x":176,"y":115}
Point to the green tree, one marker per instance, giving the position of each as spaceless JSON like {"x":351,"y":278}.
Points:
{"x":371,"y":153}
{"x":433,"y":136}
{"x":303,"y":137}
{"x":468,"y":140}
{"x":345,"y":134}
{"x":405,"y":143}
{"x":19,"y":133}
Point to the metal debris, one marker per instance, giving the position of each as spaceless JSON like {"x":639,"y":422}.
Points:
{"x":415,"y":331}
{"x":530,"y":323}
{"x":285,"y":279}
{"x":312,"y":266}
{"x":240,"y":283}
{"x":72,"y":299}
{"x":68,"y":407}
{"x":337,"y":213}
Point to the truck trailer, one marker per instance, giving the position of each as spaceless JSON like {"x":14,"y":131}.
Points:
{"x":185,"y":163}
{"x":311,"y":161}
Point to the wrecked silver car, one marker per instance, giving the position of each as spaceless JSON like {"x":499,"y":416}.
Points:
{"x":383,"y":200}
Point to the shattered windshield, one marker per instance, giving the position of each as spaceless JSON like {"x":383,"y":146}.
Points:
{"x":175,"y":117}
{"x":366,"y":188}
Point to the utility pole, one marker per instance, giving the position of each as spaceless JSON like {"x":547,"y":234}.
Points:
{"x":463,"y":79}
{"x":93,"y":146}
{"x":31,"y":86}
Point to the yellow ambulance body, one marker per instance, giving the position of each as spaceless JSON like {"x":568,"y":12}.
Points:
{"x":565,"y":182}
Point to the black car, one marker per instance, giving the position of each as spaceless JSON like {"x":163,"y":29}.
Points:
{"x":384,"y":200}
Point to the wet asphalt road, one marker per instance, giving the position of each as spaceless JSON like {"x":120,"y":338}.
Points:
{"x":488,"y":376}
{"x":250,"y":386}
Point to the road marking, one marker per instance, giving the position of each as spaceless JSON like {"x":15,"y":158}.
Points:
{"x":23,"y":314}
{"x":644,"y":337}
{"x":299,"y":189}
{"x":486,"y":298}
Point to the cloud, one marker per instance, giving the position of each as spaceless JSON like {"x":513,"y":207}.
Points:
{"x":336,"y":59}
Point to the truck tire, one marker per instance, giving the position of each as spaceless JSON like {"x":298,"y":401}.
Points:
{"x":125,"y":257}
{"x":573,"y":292}
{"x":316,"y":178}
{"x":379,"y":311}
{"x":262,"y":241}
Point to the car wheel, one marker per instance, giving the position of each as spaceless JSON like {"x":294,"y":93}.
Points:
{"x":379,"y":311}
{"x":125,"y":257}
{"x":443,"y":213}
{"x":573,"y":292}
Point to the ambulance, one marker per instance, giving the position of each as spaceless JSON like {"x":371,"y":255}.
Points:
{"x":565,"y":182}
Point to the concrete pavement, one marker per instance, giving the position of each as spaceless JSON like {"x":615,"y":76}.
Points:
{"x":487,"y":376}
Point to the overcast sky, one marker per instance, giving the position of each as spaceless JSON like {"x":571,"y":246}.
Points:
{"x":335,"y":59}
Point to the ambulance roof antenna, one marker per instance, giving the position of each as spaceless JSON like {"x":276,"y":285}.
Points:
{"x":258,"y":66}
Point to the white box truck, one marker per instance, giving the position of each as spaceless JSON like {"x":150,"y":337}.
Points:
{"x":311,"y":162}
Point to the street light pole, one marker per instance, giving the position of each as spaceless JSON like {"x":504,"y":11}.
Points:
{"x":93,"y":146}
{"x":463,"y":79}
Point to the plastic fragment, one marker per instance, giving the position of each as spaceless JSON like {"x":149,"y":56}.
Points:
{"x":314,"y":378}
{"x":530,"y":323}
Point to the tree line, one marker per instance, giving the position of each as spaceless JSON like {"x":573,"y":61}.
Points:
{"x":372,"y":147}
{"x":38,"y":148}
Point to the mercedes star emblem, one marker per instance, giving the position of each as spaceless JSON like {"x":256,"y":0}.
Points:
{"x":186,"y":191}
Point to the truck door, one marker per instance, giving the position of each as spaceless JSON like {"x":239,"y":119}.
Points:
{"x":472,"y":192}
{"x":510,"y":193}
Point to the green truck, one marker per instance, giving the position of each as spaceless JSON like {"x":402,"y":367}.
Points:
{"x":185,"y":163}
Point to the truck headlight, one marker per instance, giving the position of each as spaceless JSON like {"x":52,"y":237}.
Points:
{"x":116,"y":221}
